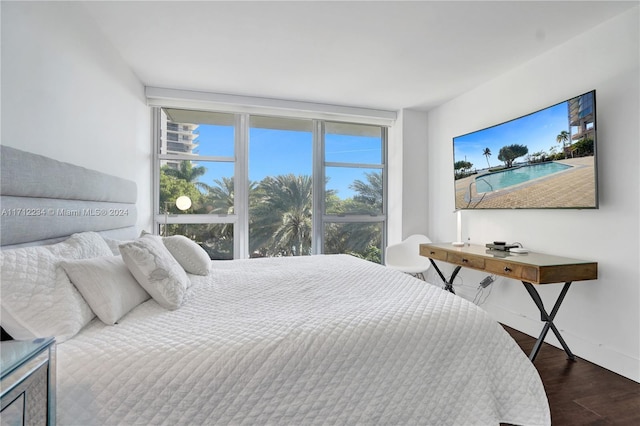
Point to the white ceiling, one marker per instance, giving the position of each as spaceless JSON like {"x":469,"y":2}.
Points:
{"x":381,"y":54}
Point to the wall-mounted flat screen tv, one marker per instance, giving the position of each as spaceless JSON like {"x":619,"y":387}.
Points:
{"x":543,"y":160}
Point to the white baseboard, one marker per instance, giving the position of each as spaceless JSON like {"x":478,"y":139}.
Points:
{"x":599,"y":354}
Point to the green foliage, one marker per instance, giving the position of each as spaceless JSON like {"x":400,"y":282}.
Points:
{"x":539,"y":157}
{"x":171,"y":188}
{"x":220,"y":198}
{"x":583,"y":147}
{"x":215,"y":238}
{"x":510,"y":152}
{"x":372,"y":253}
{"x":280,"y":216}
{"x":352,"y":238}
{"x":280,"y":212}
{"x":461,"y":169}
{"x":188,"y":173}
{"x":462,"y":165}
{"x":369,"y":194}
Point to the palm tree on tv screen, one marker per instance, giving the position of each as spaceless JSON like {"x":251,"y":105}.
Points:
{"x":563,"y":138}
{"x":487,"y":154}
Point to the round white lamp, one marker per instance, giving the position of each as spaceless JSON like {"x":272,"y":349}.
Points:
{"x":183,"y":202}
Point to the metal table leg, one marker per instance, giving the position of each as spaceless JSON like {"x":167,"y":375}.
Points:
{"x":548,"y":319}
{"x":448,"y":284}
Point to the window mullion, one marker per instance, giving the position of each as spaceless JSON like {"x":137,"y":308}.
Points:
{"x":187,"y":157}
{"x":241,"y":187}
{"x":354,"y":218}
{"x":385,"y":191}
{"x":195,"y":219}
{"x":318,"y":187}
{"x":156,"y":137}
{"x":354,"y":165}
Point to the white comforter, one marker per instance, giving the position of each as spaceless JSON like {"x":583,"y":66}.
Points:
{"x":293,"y":341}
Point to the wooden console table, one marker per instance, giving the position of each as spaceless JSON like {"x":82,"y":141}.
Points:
{"x":530,"y":268}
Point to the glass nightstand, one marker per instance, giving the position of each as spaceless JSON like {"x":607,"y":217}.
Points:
{"x":27,"y":382}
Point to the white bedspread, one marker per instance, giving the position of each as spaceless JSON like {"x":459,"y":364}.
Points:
{"x":295,"y":341}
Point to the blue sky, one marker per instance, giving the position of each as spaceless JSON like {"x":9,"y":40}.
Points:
{"x":275,"y":152}
{"x":537,"y":131}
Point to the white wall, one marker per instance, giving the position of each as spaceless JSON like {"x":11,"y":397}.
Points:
{"x":414,"y":155}
{"x":68,"y":95}
{"x":407,"y":164}
{"x":599,"y":319}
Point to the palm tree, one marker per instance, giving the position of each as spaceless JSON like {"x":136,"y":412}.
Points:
{"x":562,"y":138}
{"x":487,"y":154}
{"x":220,"y":198}
{"x":369,"y":193}
{"x":359,"y":239}
{"x":362,"y":239}
{"x":280,"y":216}
{"x":188,"y":173}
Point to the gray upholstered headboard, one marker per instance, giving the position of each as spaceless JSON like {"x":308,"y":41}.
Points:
{"x":44,"y":200}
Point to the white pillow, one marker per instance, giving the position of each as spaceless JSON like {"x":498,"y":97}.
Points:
{"x":193,"y":258}
{"x":38,"y":300}
{"x":156,"y":270}
{"x":114,"y":244}
{"x":83,"y":245}
{"x":107,"y":286}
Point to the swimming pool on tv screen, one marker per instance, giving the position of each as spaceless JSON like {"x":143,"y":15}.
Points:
{"x":515,"y":176}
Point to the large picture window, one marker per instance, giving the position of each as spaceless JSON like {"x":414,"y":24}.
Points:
{"x":270,"y":185}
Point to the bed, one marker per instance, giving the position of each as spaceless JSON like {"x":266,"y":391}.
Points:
{"x":327,"y":339}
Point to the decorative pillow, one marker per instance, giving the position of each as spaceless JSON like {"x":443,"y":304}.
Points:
{"x":156,"y":270}
{"x":107,"y":286}
{"x":189,"y":255}
{"x":38,"y":300}
{"x":83,"y":245}
{"x":115,"y":244}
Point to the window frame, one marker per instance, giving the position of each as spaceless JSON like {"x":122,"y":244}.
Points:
{"x":240,"y":218}
{"x":161,"y":218}
{"x":325,"y":218}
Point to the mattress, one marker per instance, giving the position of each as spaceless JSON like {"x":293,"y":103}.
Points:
{"x":328,"y":339}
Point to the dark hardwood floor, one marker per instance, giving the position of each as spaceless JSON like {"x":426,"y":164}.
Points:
{"x":582,"y":393}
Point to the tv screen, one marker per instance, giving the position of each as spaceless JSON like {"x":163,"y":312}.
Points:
{"x":543,"y":160}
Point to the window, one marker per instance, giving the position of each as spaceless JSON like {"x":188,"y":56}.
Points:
{"x":271,"y":185}
{"x":281,"y":185}
{"x":354,"y":214}
{"x":196,"y":158}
